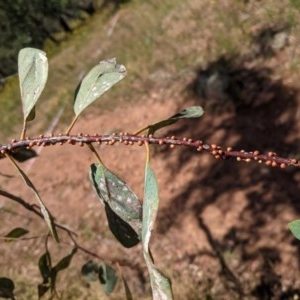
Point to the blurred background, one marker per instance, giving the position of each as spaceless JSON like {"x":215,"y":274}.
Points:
{"x":221,"y":231}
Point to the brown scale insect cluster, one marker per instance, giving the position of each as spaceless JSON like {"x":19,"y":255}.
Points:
{"x":270,"y":158}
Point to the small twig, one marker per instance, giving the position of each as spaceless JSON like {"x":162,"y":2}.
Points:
{"x":92,"y":148}
{"x":72,"y":125}
{"x":23,"y":133}
{"x":33,"y":208}
{"x":78,"y":246}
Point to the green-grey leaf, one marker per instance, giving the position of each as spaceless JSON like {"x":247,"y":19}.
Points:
{"x":33,"y":73}
{"x":100,"y":79}
{"x":150,"y":205}
{"x":295,"y":228}
{"x":7,"y":287}
{"x":160,"y":284}
{"x":188,"y":113}
{"x":107,"y":278}
{"x":61,"y":265}
{"x":45,"y":266}
{"x":90,"y":271}
{"x":46,"y":214}
{"x":16,"y":233}
{"x":23,"y":154}
{"x":64,"y":262}
{"x":45,"y":270}
{"x":123,"y":209}
{"x":122,"y":230}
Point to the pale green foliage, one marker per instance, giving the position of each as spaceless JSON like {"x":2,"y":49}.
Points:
{"x":161,"y":285}
{"x":33,"y":74}
{"x":295,"y":228}
{"x":188,"y":113}
{"x":45,"y":212}
{"x":128,"y":219}
{"x":100,"y":79}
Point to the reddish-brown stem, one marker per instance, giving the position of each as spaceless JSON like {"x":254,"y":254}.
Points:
{"x":270,"y":158}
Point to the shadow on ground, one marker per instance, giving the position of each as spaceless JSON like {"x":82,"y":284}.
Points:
{"x":251,"y":111}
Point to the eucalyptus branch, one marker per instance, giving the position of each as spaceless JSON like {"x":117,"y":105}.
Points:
{"x":129,"y":220}
{"x":270,"y":158}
